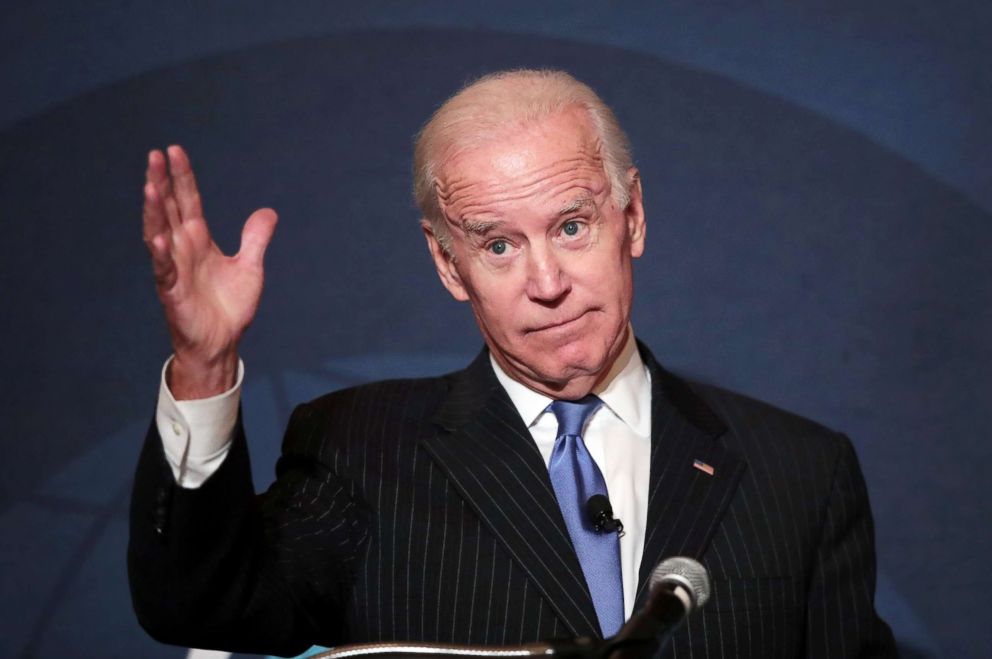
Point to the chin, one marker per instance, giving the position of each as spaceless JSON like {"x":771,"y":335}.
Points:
{"x":589,"y":352}
{"x":563,"y":362}
{"x":575,"y":360}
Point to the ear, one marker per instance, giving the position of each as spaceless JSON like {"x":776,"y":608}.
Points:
{"x":634,"y":214}
{"x":444,"y":263}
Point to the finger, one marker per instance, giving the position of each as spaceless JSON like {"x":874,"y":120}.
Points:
{"x":163,"y":264}
{"x":156,"y":171}
{"x":257,"y":235}
{"x":157,"y":174}
{"x":154,"y":221}
{"x":187,"y":194}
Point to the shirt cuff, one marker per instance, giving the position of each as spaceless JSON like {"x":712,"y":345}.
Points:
{"x":197,"y":434}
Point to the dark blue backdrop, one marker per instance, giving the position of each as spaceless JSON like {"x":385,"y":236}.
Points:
{"x":818,"y":184}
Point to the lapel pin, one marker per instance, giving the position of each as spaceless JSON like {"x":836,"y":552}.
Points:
{"x":703,"y":467}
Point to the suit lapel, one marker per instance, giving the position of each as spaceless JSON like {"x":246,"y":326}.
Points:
{"x":490,"y":457}
{"x":685,"y":503}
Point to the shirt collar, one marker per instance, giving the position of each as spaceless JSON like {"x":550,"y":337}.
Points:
{"x":626,"y":391}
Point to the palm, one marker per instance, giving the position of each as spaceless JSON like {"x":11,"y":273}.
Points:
{"x":214,"y":296}
{"x":209,"y":298}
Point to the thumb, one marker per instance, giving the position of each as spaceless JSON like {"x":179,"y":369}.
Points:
{"x":257,"y":235}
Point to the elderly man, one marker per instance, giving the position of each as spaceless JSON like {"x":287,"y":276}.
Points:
{"x":452,"y":508}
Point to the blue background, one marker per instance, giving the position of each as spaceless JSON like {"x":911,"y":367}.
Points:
{"x":818,"y":180}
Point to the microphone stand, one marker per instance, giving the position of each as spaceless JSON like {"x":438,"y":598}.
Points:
{"x":579,"y":648}
{"x":639,"y":638}
{"x":682,"y":586}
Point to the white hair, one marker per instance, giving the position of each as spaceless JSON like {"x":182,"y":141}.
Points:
{"x":490,"y":104}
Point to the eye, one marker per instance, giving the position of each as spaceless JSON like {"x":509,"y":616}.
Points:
{"x":498,"y":247}
{"x":571,"y":228}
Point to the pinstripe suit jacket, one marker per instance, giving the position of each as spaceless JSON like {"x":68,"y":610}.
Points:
{"x":421,"y":509}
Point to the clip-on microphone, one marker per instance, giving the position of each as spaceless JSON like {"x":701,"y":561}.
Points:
{"x":600,"y":513}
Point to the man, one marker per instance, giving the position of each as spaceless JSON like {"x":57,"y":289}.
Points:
{"x":450,"y":508}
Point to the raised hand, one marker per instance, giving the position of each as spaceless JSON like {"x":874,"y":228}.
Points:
{"x":209,"y":298}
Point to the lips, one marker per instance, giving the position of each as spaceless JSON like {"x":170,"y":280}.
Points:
{"x":557,"y":324}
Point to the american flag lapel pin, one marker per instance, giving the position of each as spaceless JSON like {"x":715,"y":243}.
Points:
{"x":703,"y":467}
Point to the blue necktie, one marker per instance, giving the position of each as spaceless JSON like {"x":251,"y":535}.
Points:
{"x":575,"y":477}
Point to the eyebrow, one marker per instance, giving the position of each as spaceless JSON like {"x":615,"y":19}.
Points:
{"x":484,"y":227}
{"x":479,"y":227}
{"x":575,"y":205}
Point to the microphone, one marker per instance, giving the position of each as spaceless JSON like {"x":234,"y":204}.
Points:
{"x":600,"y":513}
{"x":677,"y":587}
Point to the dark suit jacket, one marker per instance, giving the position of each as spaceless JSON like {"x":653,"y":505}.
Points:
{"x":422,"y":510}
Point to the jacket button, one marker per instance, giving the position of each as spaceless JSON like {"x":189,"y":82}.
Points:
{"x":159,"y":520}
{"x":160,"y":515}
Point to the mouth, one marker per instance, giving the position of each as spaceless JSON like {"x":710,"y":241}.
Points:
{"x":557,"y":324}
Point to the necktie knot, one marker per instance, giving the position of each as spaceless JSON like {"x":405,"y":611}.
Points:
{"x":572,"y":415}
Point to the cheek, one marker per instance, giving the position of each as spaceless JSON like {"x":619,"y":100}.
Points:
{"x":608,"y":280}
{"x":496,"y":307}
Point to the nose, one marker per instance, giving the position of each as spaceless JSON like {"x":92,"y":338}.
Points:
{"x":547,"y":281}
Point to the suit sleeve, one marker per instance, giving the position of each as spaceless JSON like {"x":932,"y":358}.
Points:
{"x":219,"y":567}
{"x":841,"y":618}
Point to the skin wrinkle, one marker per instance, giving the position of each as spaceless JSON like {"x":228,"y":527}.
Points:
{"x":466,"y":214}
{"x":589,"y":152}
{"x":450,"y":194}
{"x":477,"y":208}
{"x":587,"y":156}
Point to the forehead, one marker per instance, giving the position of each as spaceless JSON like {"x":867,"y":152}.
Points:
{"x":555,"y":160}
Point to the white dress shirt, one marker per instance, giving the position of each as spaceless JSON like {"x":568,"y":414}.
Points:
{"x":197,"y":435}
{"x":618,"y":437}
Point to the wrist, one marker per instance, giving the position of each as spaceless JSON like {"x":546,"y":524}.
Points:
{"x":191,"y":378}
